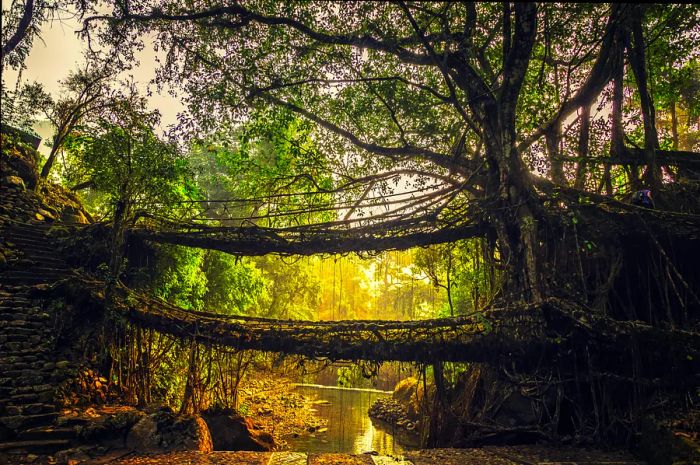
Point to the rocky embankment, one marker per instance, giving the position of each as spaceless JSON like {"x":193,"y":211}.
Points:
{"x":392,"y":412}
{"x":401,"y":410}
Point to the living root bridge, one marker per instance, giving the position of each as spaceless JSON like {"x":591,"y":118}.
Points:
{"x":548,"y":333}
{"x":606,"y":218}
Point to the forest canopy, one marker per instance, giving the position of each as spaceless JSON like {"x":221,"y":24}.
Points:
{"x":395,"y":161}
{"x":400,"y":117}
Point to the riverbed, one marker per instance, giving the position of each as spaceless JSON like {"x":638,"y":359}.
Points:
{"x":349,"y":428}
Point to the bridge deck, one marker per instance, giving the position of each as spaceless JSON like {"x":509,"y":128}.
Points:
{"x":529,"y":334}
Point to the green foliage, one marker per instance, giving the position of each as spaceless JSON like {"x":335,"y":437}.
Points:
{"x":457,"y":268}
{"x":353,"y":377}
{"x":19,"y":108}
{"x":177,"y":276}
{"x":127,"y":162}
{"x":291,"y":289}
{"x":235,"y":286}
{"x":266,"y":160}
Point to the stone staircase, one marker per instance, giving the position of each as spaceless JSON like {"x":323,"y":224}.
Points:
{"x":38,"y":262}
{"x":28,"y":374}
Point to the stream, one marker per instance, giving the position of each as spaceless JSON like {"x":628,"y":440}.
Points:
{"x":350,"y":430}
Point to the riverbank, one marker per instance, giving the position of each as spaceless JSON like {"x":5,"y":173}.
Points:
{"x":275,"y":407}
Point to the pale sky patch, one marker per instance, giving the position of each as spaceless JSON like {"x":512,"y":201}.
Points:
{"x":59,"y":51}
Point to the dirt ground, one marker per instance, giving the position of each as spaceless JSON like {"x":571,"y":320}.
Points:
{"x":278,"y":410}
{"x":514,"y":455}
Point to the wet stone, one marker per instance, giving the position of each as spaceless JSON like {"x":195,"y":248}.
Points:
{"x":457,"y":456}
{"x":13,"y":410}
{"x":288,"y":458}
{"x":21,"y":366}
{"x":340,"y":459}
{"x":29,"y":380}
{"x":42,"y":388}
{"x":33,"y":409}
{"x":388,"y":460}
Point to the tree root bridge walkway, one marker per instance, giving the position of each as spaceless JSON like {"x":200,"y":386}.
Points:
{"x":532,"y":334}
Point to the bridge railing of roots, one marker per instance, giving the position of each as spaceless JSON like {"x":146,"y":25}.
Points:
{"x":351,"y":220}
{"x":358,"y":217}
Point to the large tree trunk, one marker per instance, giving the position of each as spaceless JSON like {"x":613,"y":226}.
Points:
{"x":509,"y":181}
{"x":617,"y":146}
{"x":584,"y":135}
{"x":46,"y":169}
{"x":674,"y":126}
{"x":514,"y":222}
{"x":637,"y":58}
{"x":556,"y":170}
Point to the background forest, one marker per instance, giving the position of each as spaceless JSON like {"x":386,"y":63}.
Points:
{"x":524,"y":127}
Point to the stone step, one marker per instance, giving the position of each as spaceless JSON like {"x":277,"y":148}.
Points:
{"x":31,"y":409}
{"x":45,"y":367}
{"x":48,"y":261}
{"x":21,"y":239}
{"x":20,"y":422}
{"x":28,"y":280}
{"x":15,"y":300}
{"x":23,"y":331}
{"x":36,"y":447}
{"x":24,"y":380}
{"x":39,"y":389}
{"x":34,"y":250}
{"x":47,"y":433}
{"x":11,"y":292}
{"x":10,"y":359}
{"x":28,"y":409}
{"x":36,"y":351}
{"x":8,"y":326}
{"x":14,"y":289}
{"x":38,"y":270}
{"x":32,"y":336}
{"x":23,"y":314}
{"x":31,"y":398}
{"x":24,"y":347}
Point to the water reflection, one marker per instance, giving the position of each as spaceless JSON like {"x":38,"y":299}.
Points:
{"x":350,"y":429}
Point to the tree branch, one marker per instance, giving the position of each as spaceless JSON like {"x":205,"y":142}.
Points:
{"x":21,"y":31}
{"x":601,"y":73}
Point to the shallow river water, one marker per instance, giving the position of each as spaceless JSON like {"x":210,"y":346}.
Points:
{"x":350,"y":430}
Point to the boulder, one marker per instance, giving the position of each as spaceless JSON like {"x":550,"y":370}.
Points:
{"x":231,"y":431}
{"x":46,"y":214}
{"x":14,"y":182}
{"x":404,"y":390}
{"x":22,"y":162}
{"x":107,"y":427}
{"x":516,"y":410}
{"x":71,"y":214}
{"x":166,"y":431}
